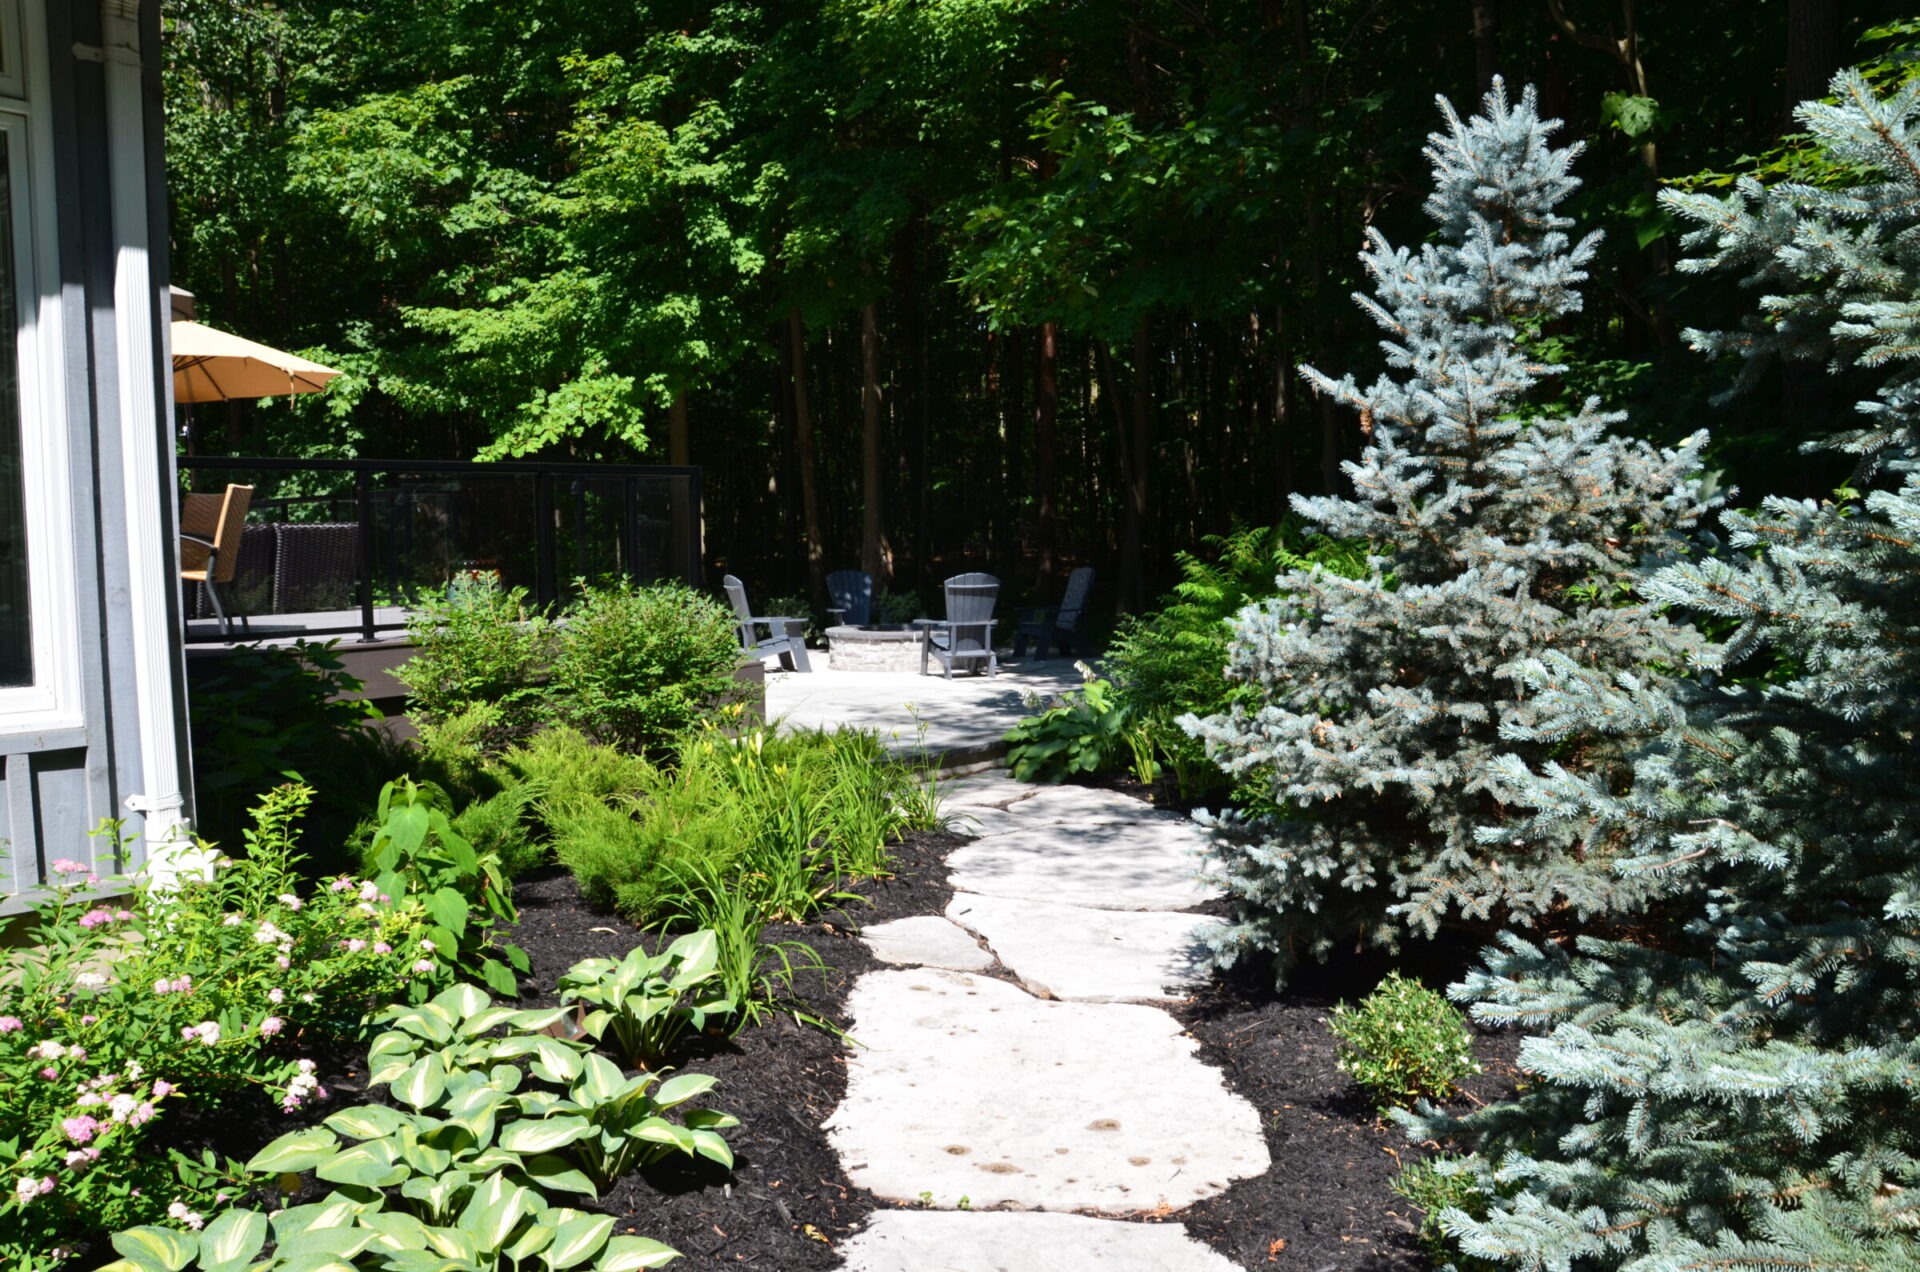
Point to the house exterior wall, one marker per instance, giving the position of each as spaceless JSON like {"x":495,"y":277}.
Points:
{"x":115,"y":747}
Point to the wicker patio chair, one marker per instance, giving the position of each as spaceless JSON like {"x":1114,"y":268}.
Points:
{"x":966,"y":633}
{"x":210,"y":532}
{"x":850,"y":598}
{"x":1059,"y":626}
{"x":791,"y":650}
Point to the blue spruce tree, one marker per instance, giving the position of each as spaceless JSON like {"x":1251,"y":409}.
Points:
{"x":1502,"y":529}
{"x":1743,"y":1090}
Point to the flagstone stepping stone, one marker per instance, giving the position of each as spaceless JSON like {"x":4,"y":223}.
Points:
{"x":927,"y":940}
{"x":1022,"y":1241}
{"x":1072,"y":952}
{"x":966,"y":1086}
{"x":993,"y":789}
{"x":1137,"y":865}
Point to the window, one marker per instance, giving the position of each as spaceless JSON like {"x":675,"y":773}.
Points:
{"x":16,"y":587}
{"x":40,"y":659}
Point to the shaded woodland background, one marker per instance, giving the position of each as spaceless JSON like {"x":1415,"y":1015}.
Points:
{"x":926,"y":286}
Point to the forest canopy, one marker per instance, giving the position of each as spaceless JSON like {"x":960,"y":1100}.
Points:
{"x":1003,"y":284}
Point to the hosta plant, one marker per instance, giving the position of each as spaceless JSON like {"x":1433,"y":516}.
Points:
{"x":646,"y":1001}
{"x":1090,"y":730}
{"x":502,"y":1227}
{"x":567,"y":1111}
{"x":1404,"y":1043}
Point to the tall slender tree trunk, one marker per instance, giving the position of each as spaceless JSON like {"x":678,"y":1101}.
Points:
{"x":1013,"y":388}
{"x":1486,"y":41}
{"x":1139,"y":445}
{"x":876,"y":558}
{"x":809,"y":473}
{"x":1046,"y":421}
{"x":679,"y":440}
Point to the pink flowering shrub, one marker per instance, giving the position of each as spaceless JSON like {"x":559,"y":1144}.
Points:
{"x":124,"y":1007}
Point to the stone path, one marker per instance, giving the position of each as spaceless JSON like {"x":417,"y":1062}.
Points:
{"x":1020,"y":1114}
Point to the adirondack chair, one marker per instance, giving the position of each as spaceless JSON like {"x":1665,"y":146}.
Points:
{"x":210,"y":531}
{"x":1060,"y":625}
{"x":850,"y":598}
{"x":966,"y":633}
{"x":791,"y":650}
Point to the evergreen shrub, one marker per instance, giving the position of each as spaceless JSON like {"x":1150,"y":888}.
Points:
{"x":1744,"y":1094}
{"x":1377,"y":711}
{"x":1404,"y":1042}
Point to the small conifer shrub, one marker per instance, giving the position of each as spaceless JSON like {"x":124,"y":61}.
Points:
{"x":1379,"y":708}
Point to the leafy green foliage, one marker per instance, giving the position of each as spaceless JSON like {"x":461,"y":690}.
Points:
{"x":1437,"y":1185}
{"x":637,"y":666}
{"x":490,"y":1119}
{"x":647,"y":1001}
{"x":1172,"y":662}
{"x":417,"y":852}
{"x":1089,"y":731}
{"x":131,"y":997}
{"x":480,"y":646}
{"x":261,"y":712}
{"x":1404,"y":1042}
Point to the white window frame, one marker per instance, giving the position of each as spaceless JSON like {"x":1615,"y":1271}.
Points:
{"x":55,"y":699}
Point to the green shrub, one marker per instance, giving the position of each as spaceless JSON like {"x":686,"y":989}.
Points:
{"x":1090,"y":731}
{"x":637,"y":666}
{"x":121,"y":1009}
{"x":1172,"y":662}
{"x":479,"y":646}
{"x":1436,"y":1185}
{"x":1404,"y":1042}
{"x":262,"y":712}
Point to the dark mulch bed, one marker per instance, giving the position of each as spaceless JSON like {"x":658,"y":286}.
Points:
{"x":1324,"y":1205}
{"x":787,"y":1205}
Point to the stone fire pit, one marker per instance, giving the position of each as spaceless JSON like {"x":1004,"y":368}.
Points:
{"x":882,"y":647}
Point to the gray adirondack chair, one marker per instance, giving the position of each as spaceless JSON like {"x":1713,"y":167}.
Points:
{"x":850,"y":598}
{"x":966,"y":633}
{"x":1059,"y":626}
{"x":791,"y":650}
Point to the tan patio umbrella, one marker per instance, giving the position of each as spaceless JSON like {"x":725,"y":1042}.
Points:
{"x":213,"y":366}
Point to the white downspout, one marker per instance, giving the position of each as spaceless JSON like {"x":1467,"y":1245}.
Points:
{"x":150,"y":561}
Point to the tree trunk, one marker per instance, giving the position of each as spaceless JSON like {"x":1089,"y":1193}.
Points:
{"x":1013,"y":386}
{"x":679,"y":444}
{"x":1138,"y":446}
{"x":1486,"y":41}
{"x":1813,"y":50}
{"x":1046,"y":418}
{"x":809,"y":474}
{"x":876,"y":558}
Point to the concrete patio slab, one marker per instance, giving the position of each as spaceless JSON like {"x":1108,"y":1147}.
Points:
{"x":1022,"y":1241}
{"x":1146,"y":864}
{"x":964,"y":719}
{"x":926,"y":940}
{"x":965,"y":1086}
{"x":1083,"y":955}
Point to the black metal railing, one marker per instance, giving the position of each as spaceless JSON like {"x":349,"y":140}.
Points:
{"x":338,"y":546}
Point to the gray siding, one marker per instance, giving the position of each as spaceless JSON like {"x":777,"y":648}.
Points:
{"x":55,"y":788}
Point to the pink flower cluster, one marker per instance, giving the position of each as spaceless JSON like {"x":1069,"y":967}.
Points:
{"x":10,"y":1024}
{"x":182,"y":984}
{"x":28,"y":1188}
{"x":100,"y":916}
{"x":303,"y":1087}
{"x":207,"y":1031}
